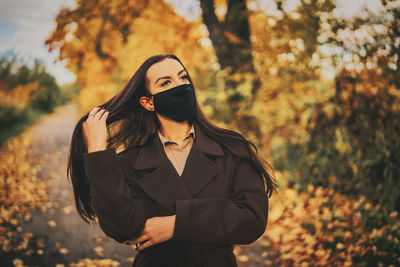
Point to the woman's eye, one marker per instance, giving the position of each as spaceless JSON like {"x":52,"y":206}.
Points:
{"x":164,"y":83}
{"x":185,"y":77}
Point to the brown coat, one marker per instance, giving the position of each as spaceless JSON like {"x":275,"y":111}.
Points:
{"x":219,"y":201}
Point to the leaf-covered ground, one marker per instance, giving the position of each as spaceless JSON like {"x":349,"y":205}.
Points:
{"x":39,"y":225}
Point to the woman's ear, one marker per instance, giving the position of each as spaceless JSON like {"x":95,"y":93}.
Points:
{"x":146,"y":103}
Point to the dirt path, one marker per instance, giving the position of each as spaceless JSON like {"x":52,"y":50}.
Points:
{"x":56,"y":224}
{"x":60,"y":236}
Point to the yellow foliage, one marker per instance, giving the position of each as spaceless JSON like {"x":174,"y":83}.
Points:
{"x":301,"y":224}
{"x":20,"y":95}
{"x":169,"y":33}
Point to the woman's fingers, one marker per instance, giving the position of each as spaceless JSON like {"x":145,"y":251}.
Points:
{"x":105,"y":115}
{"x":141,"y":238}
{"x":146,"y":244}
{"x":99,"y":114}
{"x":93,"y":111}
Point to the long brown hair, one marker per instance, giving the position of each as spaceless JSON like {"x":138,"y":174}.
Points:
{"x":129,"y":125}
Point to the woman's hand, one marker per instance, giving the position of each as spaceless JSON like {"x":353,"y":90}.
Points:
{"x":156,"y":230}
{"x":95,"y":130}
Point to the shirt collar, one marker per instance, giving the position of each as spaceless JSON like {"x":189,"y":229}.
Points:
{"x":165,"y":140}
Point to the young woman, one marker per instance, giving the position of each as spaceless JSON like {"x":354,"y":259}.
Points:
{"x":182,"y":189}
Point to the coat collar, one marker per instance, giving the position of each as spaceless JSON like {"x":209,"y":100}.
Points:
{"x":164,"y":184}
{"x":150,"y":155}
{"x":165,"y":140}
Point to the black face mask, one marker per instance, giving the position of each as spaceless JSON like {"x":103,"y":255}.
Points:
{"x":177,"y":103}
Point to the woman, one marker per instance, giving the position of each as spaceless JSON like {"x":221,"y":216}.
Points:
{"x":183,"y":190}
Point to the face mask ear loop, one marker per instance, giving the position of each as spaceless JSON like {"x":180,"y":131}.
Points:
{"x":153,"y":103}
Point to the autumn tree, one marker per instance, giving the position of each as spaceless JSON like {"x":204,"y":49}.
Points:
{"x":353,"y":137}
{"x":284,"y":46}
{"x":104,"y":41}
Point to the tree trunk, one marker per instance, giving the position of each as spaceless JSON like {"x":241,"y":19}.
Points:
{"x":231,"y":41}
{"x":231,"y":38}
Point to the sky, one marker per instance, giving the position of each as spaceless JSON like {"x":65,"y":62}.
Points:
{"x":25,"y":24}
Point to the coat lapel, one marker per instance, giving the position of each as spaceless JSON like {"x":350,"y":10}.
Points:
{"x":164,"y":184}
{"x":199,"y":169}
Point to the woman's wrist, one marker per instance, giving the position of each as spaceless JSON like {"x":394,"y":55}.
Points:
{"x":173,"y":220}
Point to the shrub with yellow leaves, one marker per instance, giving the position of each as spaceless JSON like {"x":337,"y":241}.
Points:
{"x":320,"y":227}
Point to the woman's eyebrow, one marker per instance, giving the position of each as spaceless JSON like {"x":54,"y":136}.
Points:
{"x":166,"y":77}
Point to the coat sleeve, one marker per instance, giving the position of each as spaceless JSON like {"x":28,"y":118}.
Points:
{"x":120,"y":208}
{"x":239,"y":220}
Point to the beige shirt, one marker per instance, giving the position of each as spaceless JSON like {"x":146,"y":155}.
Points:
{"x":178,"y":153}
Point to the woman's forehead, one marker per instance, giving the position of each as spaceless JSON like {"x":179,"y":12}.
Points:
{"x":166,"y":67}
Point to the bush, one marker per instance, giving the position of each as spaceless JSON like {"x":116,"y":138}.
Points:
{"x":25,"y":93}
{"x":10,"y":115}
{"x":353,"y":147}
{"x":48,"y":98}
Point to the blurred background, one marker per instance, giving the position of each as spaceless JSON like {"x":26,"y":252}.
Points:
{"x":315,"y":84}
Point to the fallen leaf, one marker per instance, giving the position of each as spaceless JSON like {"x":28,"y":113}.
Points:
{"x":63,"y":251}
{"x":99,"y":251}
{"x":51,"y":223}
{"x":243,"y":258}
